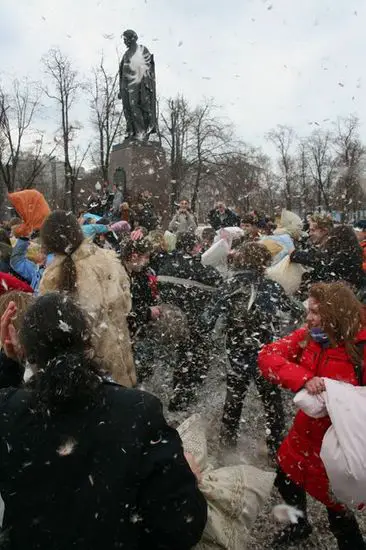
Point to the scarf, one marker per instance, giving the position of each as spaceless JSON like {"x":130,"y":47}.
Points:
{"x":319,"y":336}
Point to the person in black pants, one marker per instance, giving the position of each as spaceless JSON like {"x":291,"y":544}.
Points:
{"x":184,"y":282}
{"x":342,"y":524}
{"x":135,"y":257}
{"x":242,"y":370}
{"x":252,"y":309}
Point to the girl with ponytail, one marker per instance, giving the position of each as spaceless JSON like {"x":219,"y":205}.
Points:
{"x":99,"y":283}
{"x":61,"y":234}
{"x":84,"y":462}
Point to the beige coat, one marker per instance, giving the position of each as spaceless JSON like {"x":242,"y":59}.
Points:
{"x":183,"y":222}
{"x":103,"y":291}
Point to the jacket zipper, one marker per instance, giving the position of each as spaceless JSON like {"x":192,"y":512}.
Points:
{"x":318,"y":361}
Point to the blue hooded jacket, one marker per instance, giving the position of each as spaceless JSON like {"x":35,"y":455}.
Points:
{"x":28,"y":270}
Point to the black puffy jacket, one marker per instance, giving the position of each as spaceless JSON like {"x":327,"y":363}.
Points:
{"x":329,"y":267}
{"x":229,"y":219}
{"x":253,"y":309}
{"x":184,"y":282}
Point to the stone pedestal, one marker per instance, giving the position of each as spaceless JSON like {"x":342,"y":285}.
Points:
{"x":146,"y":169}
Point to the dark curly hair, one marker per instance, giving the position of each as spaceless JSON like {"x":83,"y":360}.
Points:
{"x":56,"y":340}
{"x":252,"y":255}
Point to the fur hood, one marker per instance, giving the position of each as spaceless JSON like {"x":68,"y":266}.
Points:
{"x":103,"y":291}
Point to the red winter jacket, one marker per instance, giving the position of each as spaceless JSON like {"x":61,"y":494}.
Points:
{"x":9,"y":282}
{"x":291,"y":364}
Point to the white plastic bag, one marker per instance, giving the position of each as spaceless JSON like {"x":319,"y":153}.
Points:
{"x":288,"y":274}
{"x":312,"y":405}
{"x":291,"y":222}
{"x":217,"y":254}
{"x":235,"y":495}
{"x":343,"y":449}
{"x":171,"y":240}
{"x":234,"y":232}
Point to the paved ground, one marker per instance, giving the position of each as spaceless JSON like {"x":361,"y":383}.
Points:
{"x":251,"y":448}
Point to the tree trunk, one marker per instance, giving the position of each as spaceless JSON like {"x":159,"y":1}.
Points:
{"x":196,"y":188}
{"x":73,"y":195}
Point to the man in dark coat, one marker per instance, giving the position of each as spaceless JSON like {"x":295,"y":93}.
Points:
{"x":339,"y":258}
{"x":145,"y":213}
{"x":253,"y":310}
{"x":143,"y":282}
{"x":221,"y":216}
{"x":184,"y":282}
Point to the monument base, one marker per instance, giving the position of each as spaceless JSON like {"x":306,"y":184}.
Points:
{"x":146,"y":170}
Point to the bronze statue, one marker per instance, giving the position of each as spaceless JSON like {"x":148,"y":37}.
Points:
{"x":137,"y":89}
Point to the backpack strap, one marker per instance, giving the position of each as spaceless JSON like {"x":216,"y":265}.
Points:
{"x":359,"y":368}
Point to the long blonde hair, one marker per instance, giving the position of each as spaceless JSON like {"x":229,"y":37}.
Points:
{"x":341,"y":313}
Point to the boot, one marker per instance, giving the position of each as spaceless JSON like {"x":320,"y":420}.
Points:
{"x":344,"y":527}
{"x":293,"y":533}
{"x":228,"y":435}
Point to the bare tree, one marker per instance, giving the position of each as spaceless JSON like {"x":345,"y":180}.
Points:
{"x":238,"y":178}
{"x":18,"y":109}
{"x":322,"y":163}
{"x":31,"y":165}
{"x":107,"y":114}
{"x":65,"y":90}
{"x":210,"y":140}
{"x":351,"y":165}
{"x":197,"y":140}
{"x":266,"y":194}
{"x":283,"y":138}
{"x":304,"y":178}
{"x":174,"y":131}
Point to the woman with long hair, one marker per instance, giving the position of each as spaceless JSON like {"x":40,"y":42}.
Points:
{"x":86,"y":463}
{"x":332,"y":346}
{"x":100,"y":284}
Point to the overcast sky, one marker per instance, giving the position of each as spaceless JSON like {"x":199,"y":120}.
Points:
{"x":265,"y":62}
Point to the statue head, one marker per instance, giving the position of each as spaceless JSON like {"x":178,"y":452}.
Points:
{"x":129,"y":37}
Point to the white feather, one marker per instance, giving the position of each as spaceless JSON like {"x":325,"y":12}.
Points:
{"x":139,"y":65}
{"x":287,"y":514}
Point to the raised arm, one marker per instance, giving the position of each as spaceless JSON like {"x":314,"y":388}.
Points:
{"x":278,"y":362}
{"x":20,"y":263}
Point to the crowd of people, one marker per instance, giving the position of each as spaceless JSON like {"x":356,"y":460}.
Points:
{"x":87,"y":458}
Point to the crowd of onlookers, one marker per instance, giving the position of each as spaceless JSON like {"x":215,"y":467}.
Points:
{"x":88,"y":301}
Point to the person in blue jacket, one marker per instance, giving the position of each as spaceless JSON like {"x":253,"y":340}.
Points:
{"x":26,"y":268}
{"x":91,"y":225}
{"x":91,"y":230}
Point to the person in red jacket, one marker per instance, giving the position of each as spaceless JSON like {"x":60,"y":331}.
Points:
{"x":9,"y":282}
{"x":331,"y":345}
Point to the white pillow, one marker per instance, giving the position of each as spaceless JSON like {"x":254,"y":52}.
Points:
{"x":235,"y":494}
